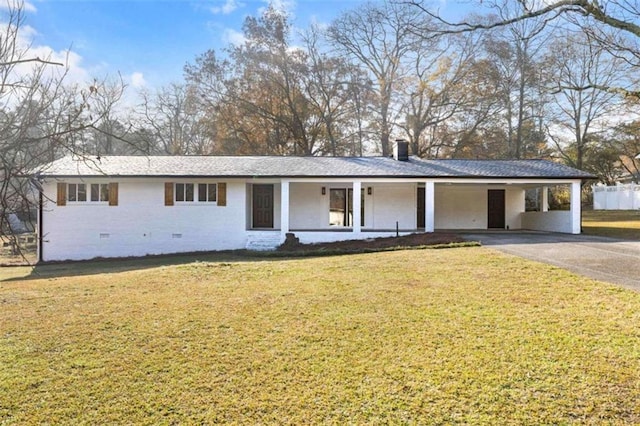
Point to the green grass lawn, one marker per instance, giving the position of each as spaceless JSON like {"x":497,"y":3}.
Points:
{"x":462,"y":335}
{"x":612,"y":223}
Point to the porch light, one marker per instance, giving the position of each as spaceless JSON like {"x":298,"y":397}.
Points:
{"x":369,"y":190}
{"x":324,"y":190}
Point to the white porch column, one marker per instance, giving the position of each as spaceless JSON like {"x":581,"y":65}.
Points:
{"x":429,"y":207}
{"x":576,"y":216}
{"x":357,"y":204}
{"x":284,"y":208}
{"x":545,"y":199}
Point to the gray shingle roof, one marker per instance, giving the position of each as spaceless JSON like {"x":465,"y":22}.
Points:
{"x":330,"y":167}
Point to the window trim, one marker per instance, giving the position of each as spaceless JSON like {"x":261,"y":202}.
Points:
{"x":103,"y":188}
{"x":347,"y":209}
{"x":180,"y":190}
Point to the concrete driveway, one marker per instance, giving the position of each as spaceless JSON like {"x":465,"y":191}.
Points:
{"x":604,"y":259}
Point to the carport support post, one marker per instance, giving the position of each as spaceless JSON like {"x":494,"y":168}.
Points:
{"x":576,"y":216}
{"x":545,"y":199}
{"x":284,"y":209}
{"x":357,"y":204}
{"x":429,"y":207}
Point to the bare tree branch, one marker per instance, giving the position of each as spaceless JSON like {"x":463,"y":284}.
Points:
{"x":612,"y":26}
{"x":549,"y":12}
{"x":36,"y":59}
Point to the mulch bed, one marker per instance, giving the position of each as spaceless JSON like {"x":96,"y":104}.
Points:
{"x":411,"y":240}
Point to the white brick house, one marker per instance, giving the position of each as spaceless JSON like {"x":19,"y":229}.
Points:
{"x":135,"y":206}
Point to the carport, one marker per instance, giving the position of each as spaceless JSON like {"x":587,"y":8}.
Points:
{"x":501,"y":204}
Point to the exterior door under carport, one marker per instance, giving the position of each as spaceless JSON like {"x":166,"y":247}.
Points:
{"x":496,"y":209}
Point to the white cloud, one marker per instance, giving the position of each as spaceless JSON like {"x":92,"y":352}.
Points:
{"x":29,"y":7}
{"x":71,"y":67}
{"x":137,"y":80}
{"x":71,"y":64}
{"x":233,"y":37}
{"x":68,"y":65}
{"x":27,"y":32}
{"x":313,"y":20}
{"x":12,"y":5}
{"x":228,"y":7}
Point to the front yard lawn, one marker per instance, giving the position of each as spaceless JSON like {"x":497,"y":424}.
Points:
{"x":612,"y":223}
{"x":464,"y":335}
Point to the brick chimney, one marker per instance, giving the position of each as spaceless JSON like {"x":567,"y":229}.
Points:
{"x":401,"y":150}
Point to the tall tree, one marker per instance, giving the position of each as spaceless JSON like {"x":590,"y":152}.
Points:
{"x":625,"y":140}
{"x":476,"y":130}
{"x":111,"y":134}
{"x":336,"y":91}
{"x":515,"y":53}
{"x":436,"y":92}
{"x":41,"y":118}
{"x":613,"y":26}
{"x":378,"y":37}
{"x":270,"y":97}
{"x":258,"y":91}
{"x":175,"y":122}
{"x":602,"y":158}
{"x":575,"y":64}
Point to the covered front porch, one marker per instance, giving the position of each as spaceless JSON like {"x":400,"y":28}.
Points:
{"x":322,"y":210}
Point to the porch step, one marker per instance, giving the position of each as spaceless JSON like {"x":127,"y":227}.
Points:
{"x":263,"y":241}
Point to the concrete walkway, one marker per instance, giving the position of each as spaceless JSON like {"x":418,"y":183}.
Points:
{"x":605,"y":259}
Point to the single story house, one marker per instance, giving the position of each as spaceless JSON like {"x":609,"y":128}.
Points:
{"x":117,"y":206}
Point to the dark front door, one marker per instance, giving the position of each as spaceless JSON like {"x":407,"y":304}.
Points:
{"x":420,"y":223}
{"x":496,"y":209}
{"x":263,"y":206}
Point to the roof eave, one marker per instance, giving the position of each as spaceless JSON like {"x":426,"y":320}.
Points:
{"x":280,"y":176}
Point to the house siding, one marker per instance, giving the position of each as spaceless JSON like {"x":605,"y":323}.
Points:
{"x":515,"y":206}
{"x":551,"y":221}
{"x":309,"y":208}
{"x":141,"y":224}
{"x":460,"y":207}
{"x":393,"y":203}
{"x":465,"y":206}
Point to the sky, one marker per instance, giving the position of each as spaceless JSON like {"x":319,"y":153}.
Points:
{"x":148,"y":42}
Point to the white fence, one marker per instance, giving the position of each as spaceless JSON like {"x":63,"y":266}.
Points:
{"x":619,"y":197}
